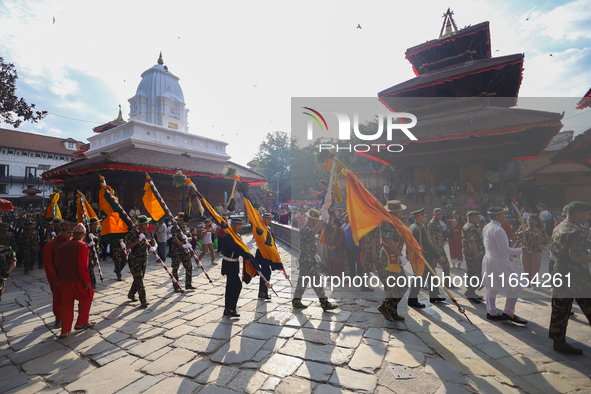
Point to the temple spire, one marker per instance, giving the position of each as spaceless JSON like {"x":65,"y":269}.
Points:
{"x":160,"y":61}
{"x":448,"y":22}
{"x":120,"y":117}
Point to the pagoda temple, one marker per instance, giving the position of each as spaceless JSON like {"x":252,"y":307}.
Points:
{"x":154,"y":140}
{"x":466,"y":128}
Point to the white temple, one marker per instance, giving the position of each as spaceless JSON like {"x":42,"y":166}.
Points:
{"x":158,"y":121}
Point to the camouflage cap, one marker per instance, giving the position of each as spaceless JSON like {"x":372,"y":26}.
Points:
{"x":578,"y":206}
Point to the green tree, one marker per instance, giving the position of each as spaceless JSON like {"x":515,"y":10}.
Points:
{"x":12,"y":109}
{"x":274,"y":162}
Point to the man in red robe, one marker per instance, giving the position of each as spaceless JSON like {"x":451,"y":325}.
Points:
{"x":74,"y":281}
{"x":51,"y":268}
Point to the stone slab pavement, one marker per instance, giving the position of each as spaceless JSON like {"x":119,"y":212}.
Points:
{"x":182,"y":344}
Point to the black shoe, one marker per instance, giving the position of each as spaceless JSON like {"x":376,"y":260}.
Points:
{"x":436,"y":299}
{"x":415,"y":304}
{"x":475,"y":300}
{"x":231,"y":313}
{"x":264,"y":296}
{"x":496,"y":317}
{"x":514,"y":318}
{"x":190,"y":287}
{"x":57,"y":324}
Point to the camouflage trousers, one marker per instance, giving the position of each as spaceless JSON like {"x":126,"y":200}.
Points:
{"x":561,"y":308}
{"x":120,"y":263}
{"x":91,"y":265}
{"x":187,"y":263}
{"x":472,"y":269}
{"x":138,"y":270}
{"x":2,"y":286}
{"x":394,"y":293}
{"x":308,"y":270}
{"x":445,"y":265}
{"x":29,"y":257}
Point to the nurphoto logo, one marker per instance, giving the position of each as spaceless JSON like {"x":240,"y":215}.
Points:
{"x":395,"y":121}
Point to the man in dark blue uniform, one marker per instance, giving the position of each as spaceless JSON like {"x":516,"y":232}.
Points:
{"x":231,"y":268}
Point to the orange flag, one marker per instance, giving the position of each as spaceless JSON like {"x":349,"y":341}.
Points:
{"x":366,"y":213}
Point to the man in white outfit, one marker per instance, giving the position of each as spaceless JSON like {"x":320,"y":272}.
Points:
{"x":497,"y":269}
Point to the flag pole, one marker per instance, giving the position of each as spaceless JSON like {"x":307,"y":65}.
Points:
{"x":152,"y":249}
{"x":161,"y":200}
{"x":90,"y":234}
{"x":267,"y":283}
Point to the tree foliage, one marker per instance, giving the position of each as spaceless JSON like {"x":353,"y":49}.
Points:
{"x":12,"y":109}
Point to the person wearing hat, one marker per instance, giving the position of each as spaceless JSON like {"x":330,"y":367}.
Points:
{"x":54,"y":229}
{"x":263,"y":262}
{"x":180,"y":253}
{"x":29,"y":245}
{"x":51,"y":268}
{"x":74,"y":281}
{"x":473,"y":245}
{"x":7,"y":238}
{"x":431,"y":254}
{"x":391,"y":254}
{"x":307,"y":262}
{"x":92,"y":238}
{"x":571,"y":247}
{"x":435,"y":230}
{"x":139,"y":242}
{"x":497,"y":268}
{"x":7,"y":264}
{"x":207,"y":236}
{"x":231,"y":252}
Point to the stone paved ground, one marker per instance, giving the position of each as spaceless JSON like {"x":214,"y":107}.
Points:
{"x":181,"y":344}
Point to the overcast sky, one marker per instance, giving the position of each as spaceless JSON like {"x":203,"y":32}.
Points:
{"x":240,"y":62}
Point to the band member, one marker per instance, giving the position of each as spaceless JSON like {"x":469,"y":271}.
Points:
{"x":497,"y":268}
{"x":308,"y":263}
{"x":180,"y":253}
{"x":264,"y":263}
{"x":571,"y":247}
{"x":74,"y":281}
{"x":473,"y":245}
{"x":231,"y":268}
{"x":432,"y":256}
{"x":138,"y":258}
{"x":51,"y":268}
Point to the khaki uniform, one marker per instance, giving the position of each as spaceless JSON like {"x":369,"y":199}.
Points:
{"x":308,"y":264}
{"x":138,"y":260}
{"x":29,"y":247}
{"x":180,"y":256}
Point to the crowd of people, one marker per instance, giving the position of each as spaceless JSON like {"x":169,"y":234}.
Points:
{"x":485,"y":244}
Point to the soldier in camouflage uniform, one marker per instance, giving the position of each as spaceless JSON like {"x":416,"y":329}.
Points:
{"x":7,"y":264}
{"x":180,"y":253}
{"x":570,"y":247}
{"x":93,"y":248}
{"x":371,"y":253}
{"x":392,"y":244}
{"x":473,"y":245}
{"x":29,"y":246}
{"x":138,"y":258}
{"x":431,"y":255}
{"x":307,"y":262}
{"x":7,"y":238}
{"x":436,"y":235}
{"x":119,"y":258}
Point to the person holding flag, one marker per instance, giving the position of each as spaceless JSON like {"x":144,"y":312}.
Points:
{"x":308,"y":263}
{"x":231,"y":252}
{"x":180,"y":253}
{"x":92,"y":240}
{"x":263,"y":262}
{"x":138,"y":258}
